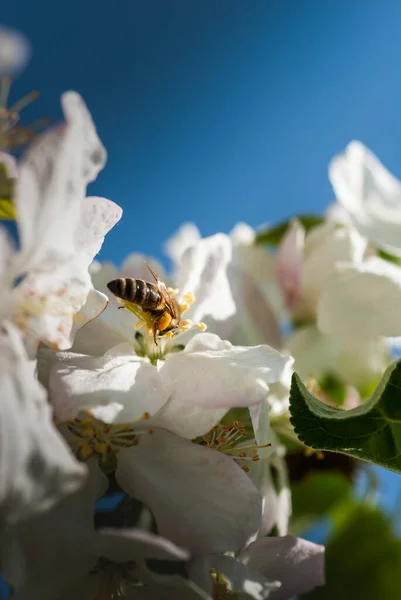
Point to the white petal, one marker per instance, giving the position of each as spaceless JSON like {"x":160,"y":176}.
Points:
{"x":358,"y":362}
{"x":108,"y":330}
{"x":203,"y":271}
{"x":51,"y":186}
{"x":36,"y":466}
{"x":185,"y":420}
{"x":362,"y":301}
{"x":185,"y":486}
{"x":371,"y":195}
{"x":117,"y":388}
{"x":222,"y":376}
{"x":15,"y":51}
{"x":255,"y":321}
{"x":297,"y":563}
{"x":48,"y":556}
{"x":325,"y":247}
{"x":186,"y":236}
{"x":242,"y":234}
{"x":120,"y":545}
{"x":135,"y":266}
{"x":290,"y":262}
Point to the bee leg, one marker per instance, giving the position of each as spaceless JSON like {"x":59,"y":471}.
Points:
{"x":154,"y":336}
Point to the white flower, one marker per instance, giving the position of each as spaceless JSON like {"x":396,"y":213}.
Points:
{"x":305,"y":263}
{"x":246,"y":285}
{"x":271,"y":567}
{"x":47,"y":282}
{"x":370,"y":194}
{"x":55,"y":556}
{"x":345,"y":300}
{"x":36,"y":466}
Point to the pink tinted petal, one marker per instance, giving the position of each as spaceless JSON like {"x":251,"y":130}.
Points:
{"x":289,"y":264}
{"x":297,"y":563}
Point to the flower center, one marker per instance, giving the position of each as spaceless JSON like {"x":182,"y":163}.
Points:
{"x":221,"y":590}
{"x":225,"y":439}
{"x":92,"y":436}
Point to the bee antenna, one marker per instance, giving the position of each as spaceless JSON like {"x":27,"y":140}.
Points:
{"x":156,"y":278}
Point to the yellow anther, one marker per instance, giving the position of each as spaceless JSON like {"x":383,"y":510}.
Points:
{"x":146,"y":416}
{"x":140,"y":324}
{"x":184,"y":308}
{"x":150,"y":431}
{"x":172,"y":291}
{"x":201,"y":326}
{"x":88,"y":432}
{"x":85,"y":449}
{"x":320,"y":455}
{"x":169,"y":335}
{"x":85,"y":422}
{"x":127,"y":427}
{"x":100,"y":448}
{"x":185,"y":325}
{"x":189,"y":298}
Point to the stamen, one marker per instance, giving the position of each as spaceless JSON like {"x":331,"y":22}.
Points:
{"x":201,"y":326}
{"x":185,"y":325}
{"x":184,"y":308}
{"x":139,"y":325}
{"x":189,"y":298}
{"x":172,"y":291}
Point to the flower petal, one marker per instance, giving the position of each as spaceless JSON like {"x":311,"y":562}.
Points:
{"x":356,"y":361}
{"x":117,"y":388}
{"x":51,"y":186}
{"x":289,"y":264}
{"x":371,"y":195}
{"x":242,"y":581}
{"x":203,"y":271}
{"x":213,"y":373}
{"x":185,"y":486}
{"x":255,"y":321}
{"x":36,"y":466}
{"x":158,"y":586}
{"x":297,"y":563}
{"x":120,"y":545}
{"x":186,"y":236}
{"x":47,"y":556}
{"x":185,"y":420}
{"x":325,"y":247}
{"x":362,"y":301}
{"x":135,"y":266}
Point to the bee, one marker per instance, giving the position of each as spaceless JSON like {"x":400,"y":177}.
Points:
{"x":150,"y":302}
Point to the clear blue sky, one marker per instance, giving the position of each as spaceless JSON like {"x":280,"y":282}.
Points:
{"x":218,"y":110}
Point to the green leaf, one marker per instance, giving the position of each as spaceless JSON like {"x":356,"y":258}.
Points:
{"x":315,"y":496}
{"x":363,"y":558}
{"x":389,"y":257}
{"x":334,"y":388}
{"x":371,"y":431}
{"x":273,"y":235}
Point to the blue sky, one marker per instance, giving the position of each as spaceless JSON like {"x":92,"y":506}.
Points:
{"x":217,"y":111}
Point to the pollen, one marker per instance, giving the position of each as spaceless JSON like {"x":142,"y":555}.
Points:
{"x":189,"y":298}
{"x":95,"y":437}
{"x":185,"y":325}
{"x":201,"y":326}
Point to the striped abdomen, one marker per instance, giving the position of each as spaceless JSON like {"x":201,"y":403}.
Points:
{"x":137,"y":291}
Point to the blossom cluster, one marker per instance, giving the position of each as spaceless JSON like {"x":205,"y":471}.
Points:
{"x":190,"y":429}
